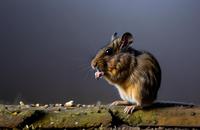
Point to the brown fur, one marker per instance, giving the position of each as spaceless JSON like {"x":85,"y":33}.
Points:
{"x":136,"y":74}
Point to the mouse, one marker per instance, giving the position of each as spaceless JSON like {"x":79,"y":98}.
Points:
{"x":134,"y":73}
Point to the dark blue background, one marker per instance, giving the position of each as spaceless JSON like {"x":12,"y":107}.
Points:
{"x":46,"y":47}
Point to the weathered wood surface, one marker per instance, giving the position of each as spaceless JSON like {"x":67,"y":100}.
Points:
{"x":100,"y":116}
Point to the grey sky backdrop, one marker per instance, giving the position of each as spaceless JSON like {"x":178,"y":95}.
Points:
{"x":46,"y":47}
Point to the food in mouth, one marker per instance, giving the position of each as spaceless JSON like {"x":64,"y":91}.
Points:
{"x":98,"y":74}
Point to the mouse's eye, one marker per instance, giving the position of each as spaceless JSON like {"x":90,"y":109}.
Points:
{"x":109,"y":51}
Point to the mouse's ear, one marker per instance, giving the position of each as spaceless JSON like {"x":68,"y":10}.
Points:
{"x":114,"y":36}
{"x":126,"y":40}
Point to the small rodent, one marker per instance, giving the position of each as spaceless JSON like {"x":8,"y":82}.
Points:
{"x":136,"y":74}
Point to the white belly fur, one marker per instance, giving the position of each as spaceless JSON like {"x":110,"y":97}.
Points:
{"x":125,"y":96}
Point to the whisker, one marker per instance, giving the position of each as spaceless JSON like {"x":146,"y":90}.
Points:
{"x":84,"y":66}
{"x":88,"y":73}
{"x":86,"y":70}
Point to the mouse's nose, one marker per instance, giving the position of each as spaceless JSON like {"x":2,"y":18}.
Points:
{"x":94,"y":65}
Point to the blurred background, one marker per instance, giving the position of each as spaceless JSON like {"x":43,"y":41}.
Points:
{"x":46,"y":47}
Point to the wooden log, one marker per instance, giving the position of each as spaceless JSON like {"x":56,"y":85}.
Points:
{"x":161,"y":115}
{"x":101,"y":116}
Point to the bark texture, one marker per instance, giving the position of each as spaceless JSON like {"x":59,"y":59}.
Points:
{"x":98,"y":116}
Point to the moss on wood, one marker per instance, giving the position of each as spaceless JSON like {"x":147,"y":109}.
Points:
{"x":102,"y":116}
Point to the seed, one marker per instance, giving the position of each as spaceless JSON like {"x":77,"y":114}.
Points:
{"x":21,"y":103}
{"x":58,"y":105}
{"x":69,"y":104}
